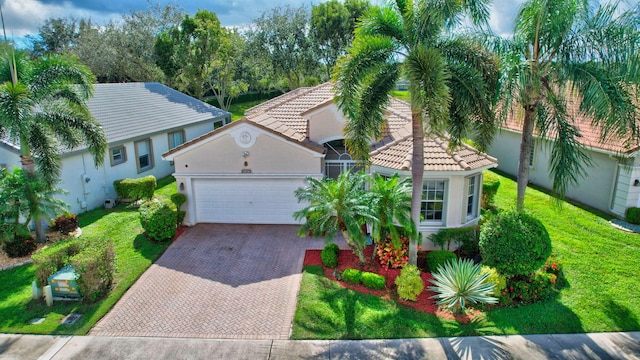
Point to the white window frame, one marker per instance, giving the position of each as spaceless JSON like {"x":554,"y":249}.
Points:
{"x":123,"y":153}
{"x":532,"y":154}
{"x":424,"y":201}
{"x":472,"y":196}
{"x":138,"y":155}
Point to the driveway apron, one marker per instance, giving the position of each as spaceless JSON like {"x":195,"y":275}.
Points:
{"x":216,"y":281}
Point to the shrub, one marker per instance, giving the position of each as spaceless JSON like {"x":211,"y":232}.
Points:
{"x":180,"y":216}
{"x":158,"y":219}
{"x":393,"y":257}
{"x":65,"y":223}
{"x":490,"y":185}
{"x":633,"y":215}
{"x":460,"y":282}
{"x":95,"y":266}
{"x":514,"y":243}
{"x":136,"y":189}
{"x":178,"y":199}
{"x":409,"y":283}
{"x":352,"y":276}
{"x":437,"y":258}
{"x":495,"y":278}
{"x":531,"y":288}
{"x":553,"y":265}
{"x":329,"y":255}
{"x":373,"y":281}
{"x":18,"y":242}
{"x":467,"y":237}
{"x":48,"y":260}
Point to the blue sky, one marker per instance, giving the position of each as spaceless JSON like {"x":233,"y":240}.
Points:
{"x":24,"y":17}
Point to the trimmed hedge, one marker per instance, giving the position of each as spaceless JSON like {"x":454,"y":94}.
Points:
{"x":329,"y":255}
{"x":49,"y":260}
{"x":159,"y":219}
{"x":136,"y":189}
{"x":352,"y":276}
{"x":437,"y":258}
{"x":467,"y":237}
{"x":633,"y":215}
{"x":490,"y":185}
{"x":373,"y":281}
{"x":514,"y":243}
{"x":178,"y":199}
{"x":95,"y":266}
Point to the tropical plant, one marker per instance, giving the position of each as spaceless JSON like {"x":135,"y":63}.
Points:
{"x":329,"y":255}
{"x":566,"y":54}
{"x":409,"y":283}
{"x":337,"y":205}
{"x":460,"y":282}
{"x":392,"y":208}
{"x":514,"y":243}
{"x":453,"y":80}
{"x":44,"y":108}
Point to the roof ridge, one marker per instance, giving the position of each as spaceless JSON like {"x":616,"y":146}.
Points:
{"x":454,"y":154}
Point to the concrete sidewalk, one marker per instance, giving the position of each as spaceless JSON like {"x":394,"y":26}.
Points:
{"x":571,"y":346}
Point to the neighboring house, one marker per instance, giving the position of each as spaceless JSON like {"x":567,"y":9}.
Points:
{"x":247,"y":172}
{"x":612,"y":183}
{"x":141,"y":121}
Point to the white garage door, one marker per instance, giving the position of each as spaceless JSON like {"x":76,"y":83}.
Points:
{"x":247,"y":200}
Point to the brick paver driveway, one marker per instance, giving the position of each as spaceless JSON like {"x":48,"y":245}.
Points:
{"x":216,"y":281}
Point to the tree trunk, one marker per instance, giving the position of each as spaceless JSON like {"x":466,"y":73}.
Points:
{"x":30,"y":171}
{"x":417,"y":173}
{"x":525,"y":156}
{"x":354,"y":247}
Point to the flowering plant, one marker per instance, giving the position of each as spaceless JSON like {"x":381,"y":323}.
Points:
{"x":394,"y":257}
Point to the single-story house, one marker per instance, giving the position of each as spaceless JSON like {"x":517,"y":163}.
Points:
{"x":247,"y":171}
{"x":141,"y":121}
{"x":612,"y":183}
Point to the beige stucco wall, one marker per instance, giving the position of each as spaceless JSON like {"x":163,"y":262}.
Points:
{"x":596,"y":189}
{"x":325,"y":124}
{"x":268,"y":155}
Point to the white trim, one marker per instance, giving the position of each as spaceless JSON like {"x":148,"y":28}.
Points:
{"x":407,"y":173}
{"x":244,"y":176}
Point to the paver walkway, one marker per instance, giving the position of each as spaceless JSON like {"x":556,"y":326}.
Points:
{"x":216,"y":281}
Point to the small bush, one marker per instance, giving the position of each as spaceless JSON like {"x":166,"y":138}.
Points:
{"x":136,"y":189}
{"x":19,"y":247}
{"x":467,"y":237}
{"x":329,"y":255}
{"x":531,"y":288}
{"x":178,"y":199}
{"x":553,"y":265}
{"x":352,"y":276}
{"x":95,"y":266}
{"x":65,"y":223}
{"x":180,"y":215}
{"x":159,"y":219}
{"x":49,"y":260}
{"x":373,"y":281}
{"x":391,"y":256}
{"x":438,"y":258}
{"x":490,"y":185}
{"x":633,"y":215}
{"x":409,"y":283}
{"x":514,"y":243}
{"x":495,"y":278}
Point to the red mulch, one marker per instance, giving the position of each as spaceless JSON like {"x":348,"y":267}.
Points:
{"x":179,"y":231}
{"x":346,"y":259}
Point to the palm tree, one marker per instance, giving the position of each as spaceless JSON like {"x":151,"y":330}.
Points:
{"x":453,"y":80}
{"x":565,"y":51}
{"x":43,"y":109}
{"x":341,"y":204}
{"x":393,"y":208}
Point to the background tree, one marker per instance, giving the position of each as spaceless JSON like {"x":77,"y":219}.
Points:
{"x":44,"y":109}
{"x":225,"y":82}
{"x":564,"y":51}
{"x":453,"y":80}
{"x":281,"y":35}
{"x":55,"y":36}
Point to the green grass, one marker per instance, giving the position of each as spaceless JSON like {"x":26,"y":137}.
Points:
{"x":402,"y":95}
{"x":237,"y":110}
{"x":600,"y":295}
{"x":134,"y":254}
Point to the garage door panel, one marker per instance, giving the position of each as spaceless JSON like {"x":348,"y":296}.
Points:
{"x":250,"y":201}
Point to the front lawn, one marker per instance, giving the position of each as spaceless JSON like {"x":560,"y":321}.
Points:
{"x":600,"y":265}
{"x":134,"y":254}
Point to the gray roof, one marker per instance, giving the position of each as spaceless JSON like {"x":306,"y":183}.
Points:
{"x":131,"y":110}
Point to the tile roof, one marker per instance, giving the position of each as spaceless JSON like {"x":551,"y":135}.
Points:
{"x":285,"y":114}
{"x":591,"y":134}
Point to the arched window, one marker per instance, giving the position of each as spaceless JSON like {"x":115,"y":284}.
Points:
{"x":337,"y":160}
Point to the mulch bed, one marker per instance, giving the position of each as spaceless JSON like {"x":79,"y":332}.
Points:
{"x":346,"y":259}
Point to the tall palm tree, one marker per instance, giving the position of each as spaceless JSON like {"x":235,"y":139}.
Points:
{"x":564,"y":51}
{"x":43,"y":109}
{"x":337,"y":205}
{"x":453,"y":80}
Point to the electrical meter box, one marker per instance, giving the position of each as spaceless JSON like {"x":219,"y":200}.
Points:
{"x":64,"y":283}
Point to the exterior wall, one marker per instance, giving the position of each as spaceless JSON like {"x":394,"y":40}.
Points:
{"x":626,"y":193}
{"x":595,"y":190}
{"x":9,"y":157}
{"x":326,"y":124}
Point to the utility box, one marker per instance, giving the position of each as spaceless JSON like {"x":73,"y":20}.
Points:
{"x":108,"y":203}
{"x":64,"y":284}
